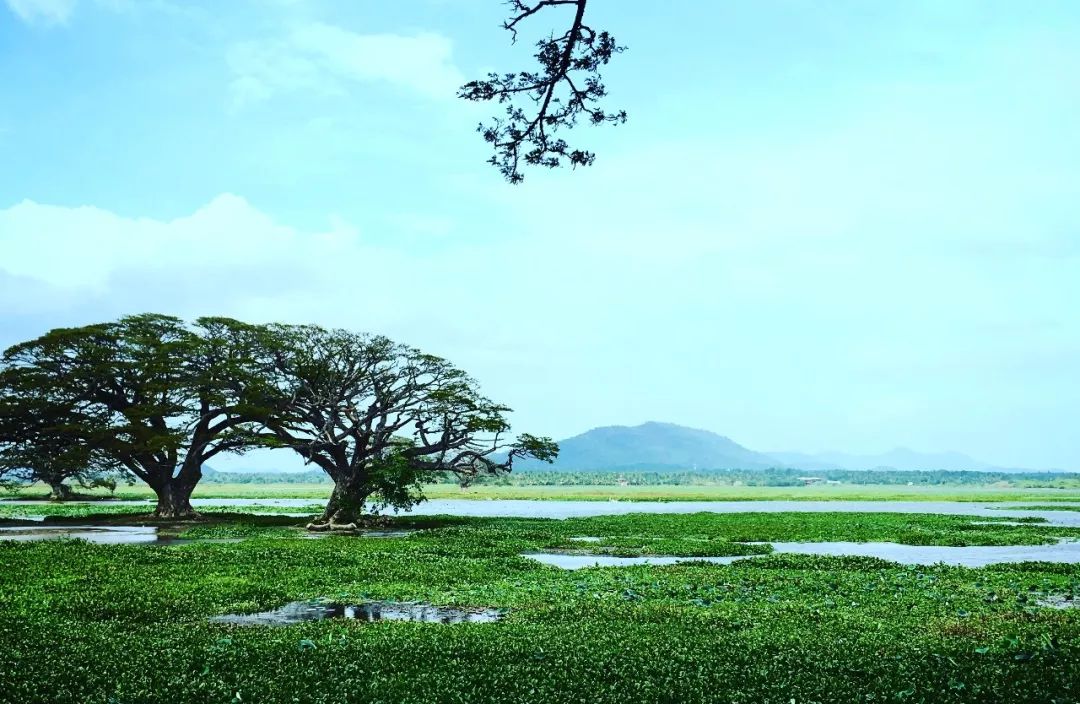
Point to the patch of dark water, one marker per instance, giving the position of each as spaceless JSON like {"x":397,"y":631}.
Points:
{"x":368,"y":611}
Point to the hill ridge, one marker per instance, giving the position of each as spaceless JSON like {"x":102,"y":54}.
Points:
{"x":659,"y":445}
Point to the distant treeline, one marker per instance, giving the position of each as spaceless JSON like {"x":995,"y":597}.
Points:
{"x":782,"y":477}
{"x":315,"y":476}
{"x":717,"y":477}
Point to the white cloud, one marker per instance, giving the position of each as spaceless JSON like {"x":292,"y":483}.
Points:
{"x":97,"y":245}
{"x":324,"y":58}
{"x":46,"y":12}
{"x":610,"y":320}
{"x":227,"y":256}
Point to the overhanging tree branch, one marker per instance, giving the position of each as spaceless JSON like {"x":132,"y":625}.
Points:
{"x":530,"y":135}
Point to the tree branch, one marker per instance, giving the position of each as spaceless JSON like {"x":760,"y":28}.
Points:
{"x":519,"y":136}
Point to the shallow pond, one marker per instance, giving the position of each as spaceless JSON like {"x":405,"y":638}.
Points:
{"x":970,"y":556}
{"x":102,"y":535}
{"x":146,"y":535}
{"x":535,"y":508}
{"x":575,"y":509}
{"x":577,"y":562}
{"x":370,"y":611}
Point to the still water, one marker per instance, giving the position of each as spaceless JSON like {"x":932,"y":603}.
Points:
{"x":970,"y":556}
{"x":577,"y":509}
{"x":368,"y":611}
{"x":534,"y":508}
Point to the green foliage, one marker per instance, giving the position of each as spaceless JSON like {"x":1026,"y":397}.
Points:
{"x":87,"y":623}
{"x":314,"y":476}
{"x":155,"y":397}
{"x":381,"y":418}
{"x":43,"y":441}
{"x":147,"y":394}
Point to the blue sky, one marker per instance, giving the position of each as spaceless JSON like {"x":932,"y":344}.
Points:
{"x":845,"y":225}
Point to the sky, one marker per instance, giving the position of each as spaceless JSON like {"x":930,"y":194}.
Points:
{"x":825,"y":226}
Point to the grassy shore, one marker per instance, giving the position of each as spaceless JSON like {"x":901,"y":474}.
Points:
{"x":128,"y":624}
{"x":844,"y":492}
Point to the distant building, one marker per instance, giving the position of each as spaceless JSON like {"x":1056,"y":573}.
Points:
{"x":807,"y":481}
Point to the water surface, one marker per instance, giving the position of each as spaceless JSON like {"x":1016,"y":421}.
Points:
{"x":540,"y":508}
{"x":533,"y":508}
{"x":101,"y":535}
{"x":368,"y":611}
{"x":1067,"y":551}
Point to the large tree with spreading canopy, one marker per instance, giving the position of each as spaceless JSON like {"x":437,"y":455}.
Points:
{"x":156,"y":398}
{"x":147,"y":394}
{"x":44,"y":442}
{"x":382,"y":418}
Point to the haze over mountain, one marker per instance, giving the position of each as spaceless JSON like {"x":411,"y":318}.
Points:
{"x":900,"y":458}
{"x":667,"y":446}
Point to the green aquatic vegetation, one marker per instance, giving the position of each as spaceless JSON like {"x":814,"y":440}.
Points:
{"x":691,"y":534}
{"x":100,"y":509}
{"x":80,"y":510}
{"x":685,"y":535}
{"x":128,"y":623}
{"x":282,"y":527}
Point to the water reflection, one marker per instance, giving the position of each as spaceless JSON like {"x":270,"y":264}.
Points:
{"x":368,"y":611}
{"x":101,"y":535}
{"x":1066,"y":551}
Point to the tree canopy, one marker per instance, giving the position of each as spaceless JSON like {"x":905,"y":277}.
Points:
{"x":382,"y":418}
{"x":149,"y":394}
{"x":155,"y":398}
{"x":45,"y":442}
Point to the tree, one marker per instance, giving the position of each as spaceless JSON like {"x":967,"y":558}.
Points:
{"x":157,"y":398}
{"x":566,"y":88}
{"x":381,"y":419}
{"x":42,"y":442}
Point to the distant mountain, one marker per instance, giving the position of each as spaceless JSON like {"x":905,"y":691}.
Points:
{"x":670,"y":447}
{"x":652,"y":446}
{"x":900,"y":458}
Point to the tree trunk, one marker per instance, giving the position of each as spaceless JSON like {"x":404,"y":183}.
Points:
{"x":174,"y":492}
{"x":344,"y":507}
{"x":60,"y":491}
{"x":174,"y":499}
